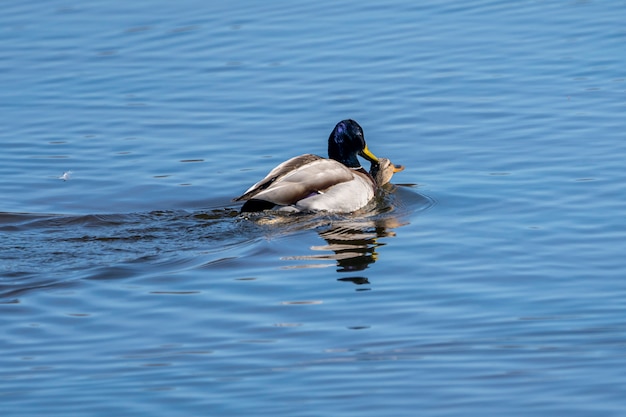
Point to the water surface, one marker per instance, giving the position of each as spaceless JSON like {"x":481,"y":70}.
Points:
{"x":487,"y":280}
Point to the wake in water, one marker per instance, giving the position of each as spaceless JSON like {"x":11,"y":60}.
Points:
{"x":39,"y":251}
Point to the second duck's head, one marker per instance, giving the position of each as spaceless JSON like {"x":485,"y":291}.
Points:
{"x":383,"y":170}
{"x":346,"y":141}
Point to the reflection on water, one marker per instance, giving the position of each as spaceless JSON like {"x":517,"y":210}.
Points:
{"x":352,"y":241}
{"x":353,"y":245}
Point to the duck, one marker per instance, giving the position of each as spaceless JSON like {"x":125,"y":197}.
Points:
{"x":311,"y":183}
{"x":383,"y":170}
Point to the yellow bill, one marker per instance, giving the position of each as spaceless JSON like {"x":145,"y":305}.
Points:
{"x":365,"y":153}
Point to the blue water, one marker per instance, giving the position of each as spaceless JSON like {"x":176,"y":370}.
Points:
{"x":488,"y":280}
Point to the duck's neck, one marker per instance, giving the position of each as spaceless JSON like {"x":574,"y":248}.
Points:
{"x":351,"y":161}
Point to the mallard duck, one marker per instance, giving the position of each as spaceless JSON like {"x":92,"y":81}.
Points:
{"x":383,"y":170}
{"x":309,"y":182}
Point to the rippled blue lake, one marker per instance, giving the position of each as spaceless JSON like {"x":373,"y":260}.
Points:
{"x":489,"y":279}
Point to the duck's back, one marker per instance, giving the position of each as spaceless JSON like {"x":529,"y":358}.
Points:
{"x":310,"y":182}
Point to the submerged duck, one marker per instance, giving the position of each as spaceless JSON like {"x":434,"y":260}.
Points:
{"x":309,"y":182}
{"x":383,"y":170}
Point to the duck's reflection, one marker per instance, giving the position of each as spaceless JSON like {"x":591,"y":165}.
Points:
{"x":353,"y":245}
{"x":355,"y":280}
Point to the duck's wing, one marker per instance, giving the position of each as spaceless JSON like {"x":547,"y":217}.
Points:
{"x":298,"y":178}
{"x":278,"y":172}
